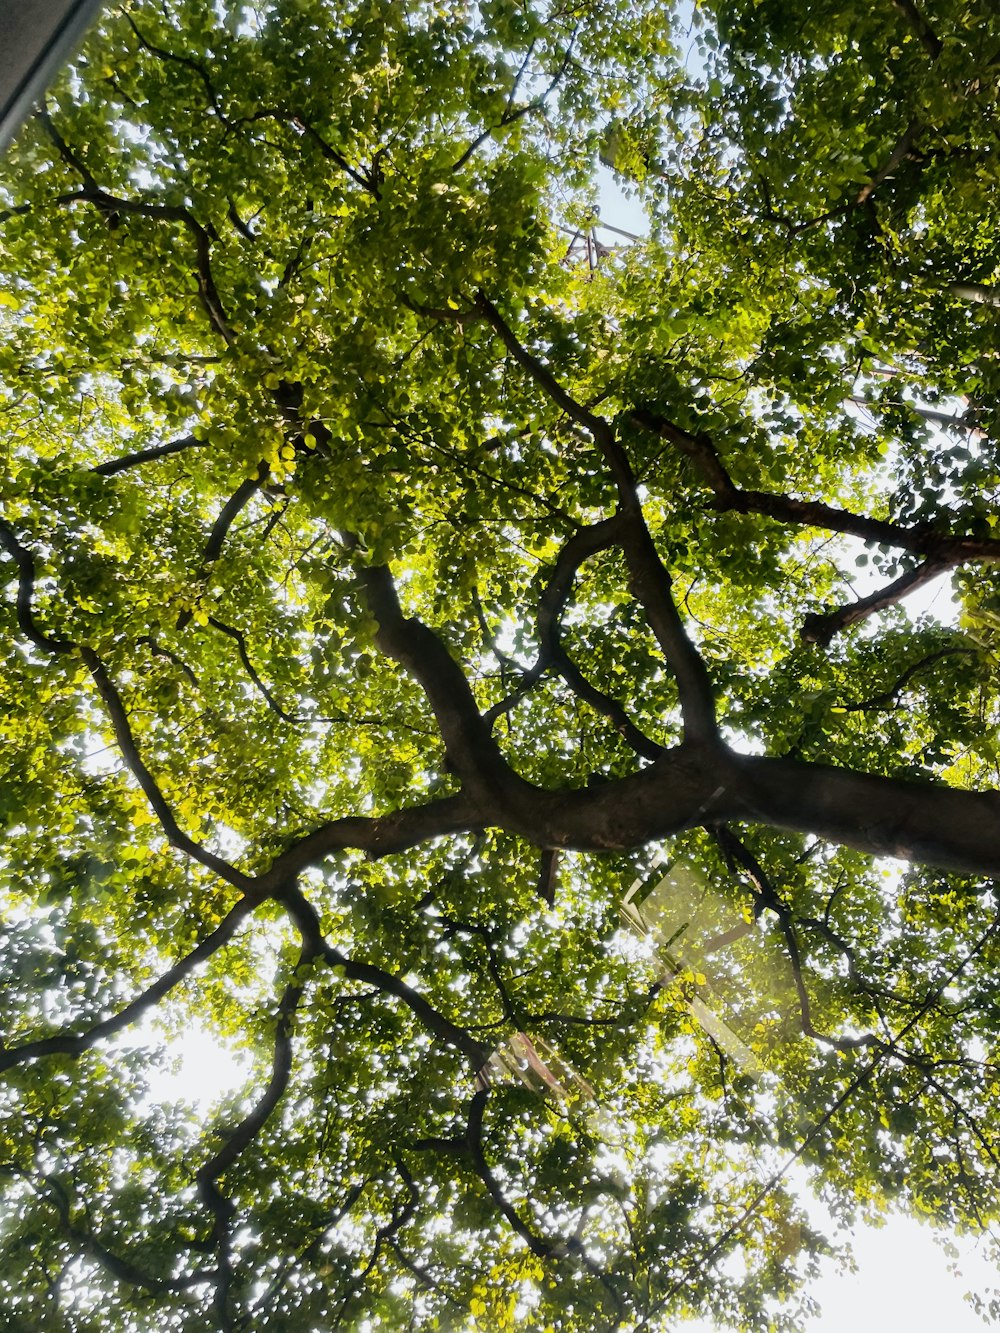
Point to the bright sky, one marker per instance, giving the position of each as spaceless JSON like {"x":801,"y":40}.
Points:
{"x":904,"y":1284}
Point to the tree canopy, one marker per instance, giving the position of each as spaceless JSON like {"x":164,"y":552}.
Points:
{"x":474,"y":663}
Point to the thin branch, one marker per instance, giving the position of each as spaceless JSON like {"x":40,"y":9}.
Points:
{"x":699,"y":1263}
{"x":113,"y":1263}
{"x":892,"y":693}
{"x":902,"y":150}
{"x":383,"y":1234}
{"x":581,"y":546}
{"x":511,"y":113}
{"x":109,"y":204}
{"x":134,"y":762}
{"x":239,"y":224}
{"x":966,"y":421}
{"x":369,"y":184}
{"x":511,"y":1011}
{"x":239,"y":639}
{"x":599,"y":428}
{"x":768,"y":898}
{"x":423,"y":1276}
{"x":240,"y":1138}
{"x":307,"y":922}
{"x":63,"y":149}
{"x":606,"y":705}
{"x":117,"y":715}
{"x":538,"y":1245}
{"x":432,"y":1019}
{"x":920,"y":539}
{"x":650,"y":579}
{"x":461,"y":318}
{"x":186,"y":62}
{"x":158,"y":650}
{"x":75,"y":1044}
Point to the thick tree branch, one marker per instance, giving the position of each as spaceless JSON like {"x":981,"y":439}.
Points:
{"x":957,"y":830}
{"x":920,"y":540}
{"x":376,"y":835}
{"x":682,"y":788}
{"x":698,"y":448}
{"x":821,"y":628}
{"x":548,"y":877}
{"x":649,"y":577}
{"x":225,"y":519}
{"x":651,"y":584}
{"x":929,"y":40}
{"x":471,"y":750}
{"x":116,"y":465}
{"x":27,"y":624}
{"x":229,"y":512}
{"x":896,"y":158}
{"x":606,"y":705}
{"x":694,"y":786}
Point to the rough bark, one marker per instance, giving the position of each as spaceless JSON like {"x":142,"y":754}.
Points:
{"x":692,"y":786}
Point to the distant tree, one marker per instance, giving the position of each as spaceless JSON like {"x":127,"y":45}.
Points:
{"x":400,"y":569}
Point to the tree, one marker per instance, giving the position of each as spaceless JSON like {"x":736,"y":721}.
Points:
{"x":396,"y":576}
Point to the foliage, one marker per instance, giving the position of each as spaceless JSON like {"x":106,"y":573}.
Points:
{"x":399,"y":568}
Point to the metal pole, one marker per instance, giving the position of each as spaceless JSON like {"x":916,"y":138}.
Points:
{"x":37,"y":37}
